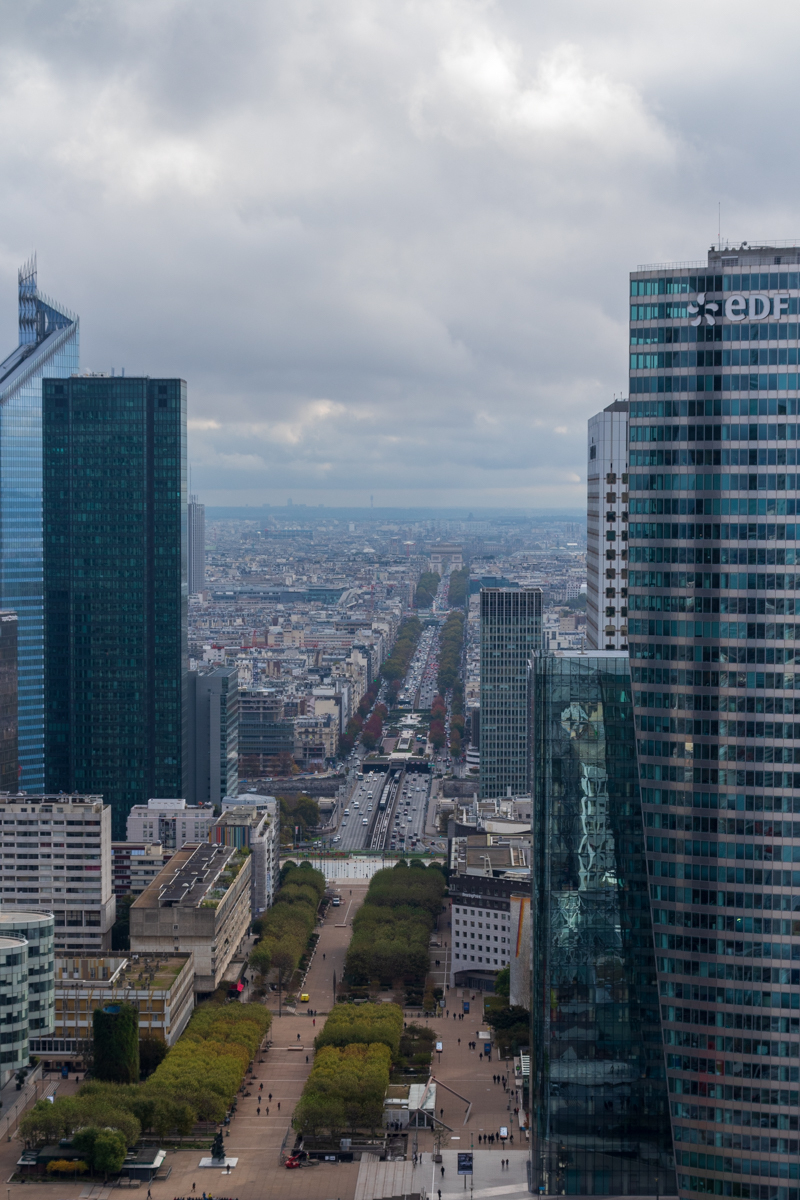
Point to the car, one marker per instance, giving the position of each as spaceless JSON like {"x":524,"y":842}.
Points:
{"x":364,"y":821}
{"x":304,"y":997}
{"x":337,"y":838}
{"x":347,"y":812}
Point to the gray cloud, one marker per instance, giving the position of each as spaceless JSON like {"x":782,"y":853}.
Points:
{"x":387,"y":245}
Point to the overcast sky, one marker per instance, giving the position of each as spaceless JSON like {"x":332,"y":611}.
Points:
{"x":386,"y":243}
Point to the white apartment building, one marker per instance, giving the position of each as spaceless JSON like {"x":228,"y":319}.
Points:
{"x":171,"y":822}
{"x":57,"y":856}
{"x":259,"y":828}
{"x":607,"y":529}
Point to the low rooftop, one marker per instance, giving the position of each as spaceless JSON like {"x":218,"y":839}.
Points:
{"x":188,"y":877}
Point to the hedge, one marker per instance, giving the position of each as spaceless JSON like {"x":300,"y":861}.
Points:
{"x":365,"y":1023}
{"x":345,"y":1090}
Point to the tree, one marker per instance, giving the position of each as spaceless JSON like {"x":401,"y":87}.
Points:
{"x":109,"y":1152}
{"x":121,"y":929}
{"x":152,"y":1051}
{"x":502,"y":982}
{"x":261,"y":960}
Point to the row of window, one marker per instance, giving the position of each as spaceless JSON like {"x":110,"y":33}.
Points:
{"x":693,"y":702}
{"x":673,"y":335}
{"x":761,"y":1047}
{"x":772,"y":381}
{"x":682,"y":285}
{"x":734,"y":1141}
{"x":709,"y":555}
{"x":752,"y":431}
{"x":674,"y":359}
{"x":692,"y":506}
{"x":789,"y":976}
{"x":781,"y":730}
{"x":768,"y":605}
{"x":736,"y":1116}
{"x":690,"y":532}
{"x":753,"y":406}
{"x":729,"y":924}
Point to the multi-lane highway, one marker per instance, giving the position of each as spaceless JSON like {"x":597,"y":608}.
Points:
{"x":386,"y":810}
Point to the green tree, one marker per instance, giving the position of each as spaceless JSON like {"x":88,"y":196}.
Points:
{"x":109,"y":1152}
{"x":502,"y":982}
{"x":116,"y":1043}
{"x":152,"y":1051}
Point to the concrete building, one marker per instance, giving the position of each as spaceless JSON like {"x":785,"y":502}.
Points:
{"x":160,"y":986}
{"x":607,"y":530}
{"x":57,"y":855}
{"x":213,"y":734}
{"x":511,"y":630}
{"x":38,"y":930}
{"x":713,"y":447}
{"x":171,"y":822}
{"x":485,"y":871}
{"x":260,"y":830}
{"x":264,"y":734}
{"x":135,"y":865}
{"x":200,"y":903}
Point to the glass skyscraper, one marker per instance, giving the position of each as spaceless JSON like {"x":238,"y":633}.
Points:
{"x":598,"y":1089}
{"x":115,"y":589}
{"x":710,"y":554}
{"x":48,"y":345}
{"x":511,"y":630}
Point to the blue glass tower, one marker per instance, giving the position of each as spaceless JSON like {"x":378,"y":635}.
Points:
{"x":48,"y":345}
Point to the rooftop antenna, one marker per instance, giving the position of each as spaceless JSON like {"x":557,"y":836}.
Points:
{"x":719,"y":225}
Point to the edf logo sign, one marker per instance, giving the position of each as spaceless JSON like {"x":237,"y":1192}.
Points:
{"x":756,"y":307}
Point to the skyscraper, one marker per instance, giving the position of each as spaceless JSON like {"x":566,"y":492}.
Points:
{"x":712,"y":552}
{"x":606,"y":514}
{"x":599,"y":1099}
{"x":115,"y":588}
{"x":213,"y":726}
{"x":197,"y":545}
{"x":48,"y":345}
{"x":511,"y":630}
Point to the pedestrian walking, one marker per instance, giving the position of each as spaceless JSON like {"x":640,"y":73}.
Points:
{"x":279,"y":1106}
{"x":270,"y":1096}
{"x":267,"y":1110}
{"x":442,"y":1172}
{"x":258,"y":1111}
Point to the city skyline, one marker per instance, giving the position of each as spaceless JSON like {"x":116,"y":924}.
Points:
{"x":435,"y":323}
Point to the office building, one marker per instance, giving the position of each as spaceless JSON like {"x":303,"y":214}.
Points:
{"x":135,"y":865}
{"x":511,"y":631}
{"x":264,"y":734}
{"x":9,"y":727}
{"x":48,"y":345}
{"x":213,"y":735}
{"x":711,"y":555}
{"x":196,"y":545}
{"x":57,"y":856}
{"x":606,"y":522}
{"x":115,"y":588}
{"x":161,"y":987}
{"x":173,"y":823}
{"x":599,"y":1100}
{"x":201,"y":902}
{"x":486,"y":872}
{"x":37,"y":929}
{"x":259,"y":829}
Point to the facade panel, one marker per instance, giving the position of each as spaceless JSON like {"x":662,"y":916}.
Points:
{"x":711,"y":555}
{"x":598,"y":1089}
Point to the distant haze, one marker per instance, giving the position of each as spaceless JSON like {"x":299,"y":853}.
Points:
{"x":386,"y":244}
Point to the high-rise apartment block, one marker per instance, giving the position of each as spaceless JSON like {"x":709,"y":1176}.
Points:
{"x":260,"y":830}
{"x":57,"y":856}
{"x":712,"y":553}
{"x":599,"y":1100}
{"x":48,"y":345}
{"x":213,"y":735}
{"x":116,"y":660}
{"x":196,"y":544}
{"x":606,"y":529}
{"x":9,"y":725}
{"x":511,"y":630}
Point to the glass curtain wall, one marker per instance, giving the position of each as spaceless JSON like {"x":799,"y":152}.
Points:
{"x":599,"y":1095}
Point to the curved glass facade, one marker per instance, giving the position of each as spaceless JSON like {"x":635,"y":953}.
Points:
{"x":709,"y":556}
{"x":48,"y":345}
{"x":598,"y":1089}
{"x":38,"y":930}
{"x":13,"y":1005}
